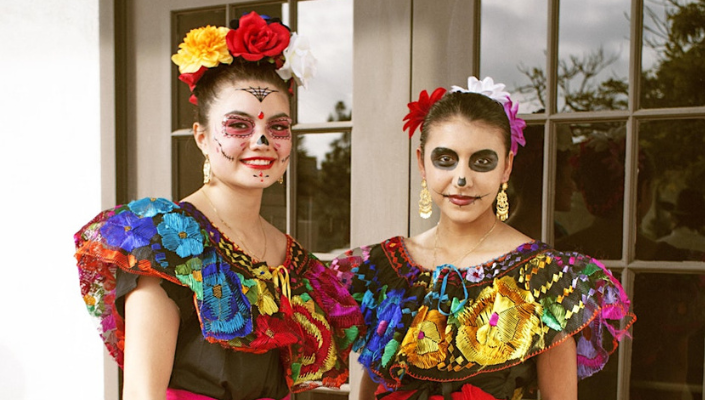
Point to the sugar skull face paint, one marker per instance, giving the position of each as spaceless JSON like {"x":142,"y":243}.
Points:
{"x":242,"y":126}
{"x":464,"y":164}
{"x":249,"y":138}
{"x":259,"y":92}
{"x":484,"y":161}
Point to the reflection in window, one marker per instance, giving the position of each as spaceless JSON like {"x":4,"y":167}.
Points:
{"x":673,"y":73}
{"x":526,"y":184}
{"x":328,"y":26}
{"x":593,"y":224}
{"x":593,"y":56}
{"x":323,"y":192}
{"x":674,"y":223}
{"x":518,"y":63}
{"x":667,"y":349}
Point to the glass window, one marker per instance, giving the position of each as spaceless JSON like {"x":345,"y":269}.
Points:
{"x":328,"y":25}
{"x":323,"y":192}
{"x":667,"y":349}
{"x":673,"y":71}
{"x":518,"y":62}
{"x":526,"y":184}
{"x":593,"y":222}
{"x":671,"y":214}
{"x":593,"y":56}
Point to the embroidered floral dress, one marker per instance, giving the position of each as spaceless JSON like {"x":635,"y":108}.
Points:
{"x":460,"y":329}
{"x":247,"y":330}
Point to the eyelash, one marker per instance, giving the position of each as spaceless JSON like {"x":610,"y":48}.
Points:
{"x":278,"y":128}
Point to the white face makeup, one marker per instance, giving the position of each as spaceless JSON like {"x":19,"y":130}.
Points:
{"x":249,"y":139}
{"x":464,"y":165}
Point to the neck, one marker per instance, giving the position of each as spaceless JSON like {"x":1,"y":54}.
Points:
{"x":453,"y":233}
{"x":237,"y":206}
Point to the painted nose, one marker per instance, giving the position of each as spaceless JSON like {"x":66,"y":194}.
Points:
{"x":462,"y":182}
{"x":262,"y":141}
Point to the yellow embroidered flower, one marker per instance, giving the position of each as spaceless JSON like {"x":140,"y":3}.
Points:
{"x":500,"y":325}
{"x":425,"y":344}
{"x":265,"y":301}
{"x":202,"y":47}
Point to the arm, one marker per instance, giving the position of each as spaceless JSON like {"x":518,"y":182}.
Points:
{"x":367,"y":387}
{"x":558,"y":372}
{"x":151,"y":328}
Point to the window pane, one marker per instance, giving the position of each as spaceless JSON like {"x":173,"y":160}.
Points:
{"x":667,"y":349}
{"x":526,"y":184}
{"x":328,"y":25}
{"x":593,"y":224}
{"x":593,"y":55}
{"x":673,"y":210}
{"x":184,"y":21}
{"x":672,"y":59}
{"x":518,"y":62}
{"x":323,"y":192}
{"x":270,"y":10}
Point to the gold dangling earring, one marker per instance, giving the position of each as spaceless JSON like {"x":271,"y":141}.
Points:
{"x":281,"y":180}
{"x":425,"y":203}
{"x":502,"y":203}
{"x":206,"y":170}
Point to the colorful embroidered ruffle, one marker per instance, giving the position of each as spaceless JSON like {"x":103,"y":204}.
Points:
{"x":299,"y":308}
{"x":452,"y":324}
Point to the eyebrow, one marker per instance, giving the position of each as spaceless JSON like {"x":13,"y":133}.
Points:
{"x":244,"y":114}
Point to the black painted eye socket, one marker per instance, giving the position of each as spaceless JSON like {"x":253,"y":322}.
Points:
{"x":484,"y":161}
{"x":444,"y":158}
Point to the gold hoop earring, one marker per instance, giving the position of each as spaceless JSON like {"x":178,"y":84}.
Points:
{"x":502,"y":203}
{"x":425,"y":203}
{"x":206,"y":170}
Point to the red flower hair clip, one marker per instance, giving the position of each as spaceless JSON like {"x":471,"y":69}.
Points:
{"x":418,"y":110}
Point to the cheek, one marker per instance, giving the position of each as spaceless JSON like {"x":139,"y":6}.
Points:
{"x":229,"y":146}
{"x":283,"y":148}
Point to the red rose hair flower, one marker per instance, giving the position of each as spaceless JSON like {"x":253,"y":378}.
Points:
{"x":254,"y":39}
{"x":418,"y":110}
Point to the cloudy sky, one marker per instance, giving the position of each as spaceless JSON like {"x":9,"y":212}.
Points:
{"x":513,"y":36}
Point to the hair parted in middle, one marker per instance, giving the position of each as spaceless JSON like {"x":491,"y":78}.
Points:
{"x":482,"y":101}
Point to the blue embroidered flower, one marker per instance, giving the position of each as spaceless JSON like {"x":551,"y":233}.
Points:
{"x":150,"y":206}
{"x":389,"y":318}
{"x":225,"y":310}
{"x":181,"y":234}
{"x":128,"y":231}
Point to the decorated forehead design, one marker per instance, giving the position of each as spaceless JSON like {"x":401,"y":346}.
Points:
{"x":260,"y":93}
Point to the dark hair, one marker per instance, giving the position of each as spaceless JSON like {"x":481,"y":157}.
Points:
{"x":207,"y":88}
{"x":472,"y":106}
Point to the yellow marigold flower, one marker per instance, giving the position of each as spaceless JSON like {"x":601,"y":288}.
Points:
{"x":205,"y":47}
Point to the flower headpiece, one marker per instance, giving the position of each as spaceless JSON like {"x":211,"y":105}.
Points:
{"x":418,"y":110}
{"x":253,"y":38}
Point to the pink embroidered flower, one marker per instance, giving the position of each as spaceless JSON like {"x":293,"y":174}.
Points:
{"x":418,"y":110}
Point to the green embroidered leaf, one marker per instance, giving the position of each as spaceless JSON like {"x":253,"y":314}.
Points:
{"x":389,"y":351}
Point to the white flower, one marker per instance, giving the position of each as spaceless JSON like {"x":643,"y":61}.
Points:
{"x":300,"y":63}
{"x":486,"y":87}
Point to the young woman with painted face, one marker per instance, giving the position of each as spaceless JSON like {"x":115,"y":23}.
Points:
{"x":472,"y":308}
{"x":203,"y":298}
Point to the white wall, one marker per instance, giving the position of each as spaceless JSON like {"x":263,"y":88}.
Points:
{"x":50,"y":175}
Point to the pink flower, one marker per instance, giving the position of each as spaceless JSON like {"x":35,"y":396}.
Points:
{"x":516,"y":125}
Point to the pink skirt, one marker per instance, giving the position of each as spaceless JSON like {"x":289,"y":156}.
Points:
{"x":176,"y":394}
